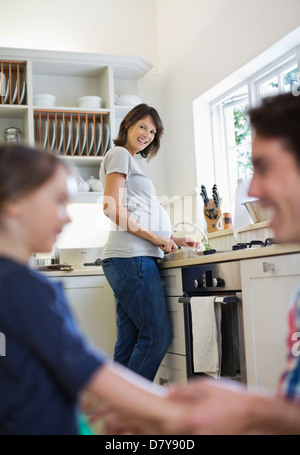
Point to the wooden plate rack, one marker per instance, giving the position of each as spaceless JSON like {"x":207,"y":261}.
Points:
{"x":12,"y":72}
{"x":63,"y":117}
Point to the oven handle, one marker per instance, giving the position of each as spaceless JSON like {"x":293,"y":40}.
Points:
{"x":218,"y":299}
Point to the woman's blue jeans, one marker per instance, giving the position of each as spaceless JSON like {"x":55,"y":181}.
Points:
{"x":144,"y":332}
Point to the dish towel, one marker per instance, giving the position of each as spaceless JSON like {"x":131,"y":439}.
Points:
{"x":207,"y":338}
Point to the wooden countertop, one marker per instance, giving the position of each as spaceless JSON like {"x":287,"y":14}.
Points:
{"x":95,"y":270}
{"x":230,"y":255}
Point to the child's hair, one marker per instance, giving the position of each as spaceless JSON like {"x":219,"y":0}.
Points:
{"x":23,"y":169}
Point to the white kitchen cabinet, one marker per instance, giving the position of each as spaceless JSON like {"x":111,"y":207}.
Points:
{"x":267,"y":285}
{"x":176,"y":318}
{"x":171,"y":281}
{"x":172,"y":369}
{"x":92,"y":301}
{"x":68,"y":76}
{"x":173,"y":366}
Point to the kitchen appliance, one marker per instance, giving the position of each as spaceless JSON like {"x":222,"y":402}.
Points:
{"x":79,"y":258}
{"x":223,"y":282}
{"x":253,"y":244}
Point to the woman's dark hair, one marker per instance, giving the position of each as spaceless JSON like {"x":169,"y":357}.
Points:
{"x":23,"y":169}
{"x":279,"y":117}
{"x":137,"y":113}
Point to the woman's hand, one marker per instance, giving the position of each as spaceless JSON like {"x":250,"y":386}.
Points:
{"x":167,"y":245}
{"x":186,"y":241}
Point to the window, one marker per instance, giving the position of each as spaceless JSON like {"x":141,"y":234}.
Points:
{"x":231,"y":138}
{"x":230,"y":128}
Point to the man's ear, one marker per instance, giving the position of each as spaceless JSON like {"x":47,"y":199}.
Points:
{"x":11,"y":208}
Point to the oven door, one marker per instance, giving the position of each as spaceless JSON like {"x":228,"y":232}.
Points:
{"x":231,"y":348}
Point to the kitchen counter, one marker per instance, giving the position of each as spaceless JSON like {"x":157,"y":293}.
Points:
{"x":89,"y":271}
{"x":231,"y":255}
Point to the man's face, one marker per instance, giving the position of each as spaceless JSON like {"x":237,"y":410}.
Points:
{"x":276,"y":181}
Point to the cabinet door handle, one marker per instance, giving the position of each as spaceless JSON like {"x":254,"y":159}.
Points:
{"x":163,"y":381}
{"x":267,"y":266}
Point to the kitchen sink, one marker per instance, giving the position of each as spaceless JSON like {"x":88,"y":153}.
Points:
{"x":183,"y":254}
{"x":189,"y":253}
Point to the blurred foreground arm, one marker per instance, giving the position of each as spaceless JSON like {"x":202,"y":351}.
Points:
{"x":139,"y":404}
{"x":215,"y":408}
{"x":224,"y":407}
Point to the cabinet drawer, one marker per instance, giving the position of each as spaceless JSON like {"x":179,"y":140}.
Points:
{"x":171,"y":281}
{"x":172,"y":369}
{"x":176,"y":318}
{"x":82,"y":281}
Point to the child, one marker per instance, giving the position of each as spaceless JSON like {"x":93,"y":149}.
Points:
{"x":48,"y":362}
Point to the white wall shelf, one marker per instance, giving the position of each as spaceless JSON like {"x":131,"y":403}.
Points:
{"x":68,"y":76}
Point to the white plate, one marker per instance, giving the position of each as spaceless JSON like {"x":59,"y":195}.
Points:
{"x":22,"y":96}
{"x":44,"y":133}
{"x":52,"y":135}
{"x":60,"y":135}
{"x":98,"y":137}
{"x":15,"y":94}
{"x":75,"y":136}
{"x":91,"y":137}
{"x":67,"y":136}
{"x":6,"y":93}
{"x":83,"y":136}
{"x":105,"y":137}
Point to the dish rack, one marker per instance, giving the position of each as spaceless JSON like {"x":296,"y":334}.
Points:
{"x":72,"y":133}
{"x":12,"y":82}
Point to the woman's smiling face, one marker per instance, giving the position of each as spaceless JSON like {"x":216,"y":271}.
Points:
{"x":140,"y":135}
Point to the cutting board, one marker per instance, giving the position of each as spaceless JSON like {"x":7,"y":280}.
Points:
{"x":211,"y":225}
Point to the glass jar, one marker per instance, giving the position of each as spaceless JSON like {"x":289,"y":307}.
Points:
{"x":13,"y":134}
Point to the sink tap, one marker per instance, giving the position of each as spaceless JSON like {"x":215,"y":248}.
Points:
{"x":195,"y":226}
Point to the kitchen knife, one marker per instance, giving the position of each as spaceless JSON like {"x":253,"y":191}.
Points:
{"x":204,"y":195}
{"x":215,"y":199}
{"x":216,"y":195}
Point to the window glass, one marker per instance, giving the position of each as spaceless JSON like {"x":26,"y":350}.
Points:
{"x":231,"y":132}
{"x":238,"y":139}
{"x":290,"y":78}
{"x":269,"y":88}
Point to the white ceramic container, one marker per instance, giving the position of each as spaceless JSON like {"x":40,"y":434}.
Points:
{"x":90,"y":102}
{"x":44,"y":99}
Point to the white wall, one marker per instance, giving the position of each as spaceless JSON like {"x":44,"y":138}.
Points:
{"x":200,"y":43}
{"x":192,"y":45}
{"x":118,"y":27}
{"x":121,"y":27}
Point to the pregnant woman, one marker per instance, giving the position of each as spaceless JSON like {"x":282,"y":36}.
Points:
{"x":140,"y":234}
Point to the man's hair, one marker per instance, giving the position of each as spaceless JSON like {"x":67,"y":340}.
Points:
{"x":279,"y":117}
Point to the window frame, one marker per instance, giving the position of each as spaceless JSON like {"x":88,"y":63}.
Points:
{"x":221,"y":171}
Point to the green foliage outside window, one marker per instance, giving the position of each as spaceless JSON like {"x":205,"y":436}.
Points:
{"x":242,"y":133}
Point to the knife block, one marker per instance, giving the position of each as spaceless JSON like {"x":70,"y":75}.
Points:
{"x":211,"y":225}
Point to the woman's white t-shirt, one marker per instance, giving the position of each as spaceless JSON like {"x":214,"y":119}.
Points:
{"x":139,"y":199}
